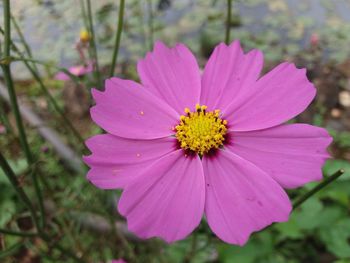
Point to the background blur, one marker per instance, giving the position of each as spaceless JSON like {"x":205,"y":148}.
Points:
{"x":311,"y":33}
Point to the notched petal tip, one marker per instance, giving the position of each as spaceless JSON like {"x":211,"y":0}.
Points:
{"x":257,"y":54}
{"x":86,"y":159}
{"x":89,"y":142}
{"x":236,"y":44}
{"x":94,"y":114}
{"x":96,"y":94}
{"x":159,"y":45}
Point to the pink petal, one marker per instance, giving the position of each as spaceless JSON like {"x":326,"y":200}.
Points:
{"x":114,"y":176}
{"x":126,"y":109}
{"x":109,"y":149}
{"x":62,"y":76}
{"x":241,"y":198}
{"x":115,"y":161}
{"x":277,"y":97}
{"x":78,"y":70}
{"x":292,"y":154}
{"x":228,"y":75}
{"x":118,"y":261}
{"x":167,"y":200}
{"x":172,"y":74}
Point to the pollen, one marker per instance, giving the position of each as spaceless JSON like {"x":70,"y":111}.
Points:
{"x":201,"y":131}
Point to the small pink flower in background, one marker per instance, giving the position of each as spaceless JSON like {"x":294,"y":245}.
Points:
{"x":184,"y":144}
{"x":78,"y":71}
{"x":44,"y":149}
{"x":118,"y":261}
{"x":314,"y":39}
{"x":2,"y":129}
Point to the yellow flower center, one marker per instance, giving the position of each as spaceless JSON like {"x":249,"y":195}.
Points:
{"x":201,"y":131}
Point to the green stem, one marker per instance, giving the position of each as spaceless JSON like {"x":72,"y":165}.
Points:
{"x":126,"y":246}
{"x":93,"y":45}
{"x":4,"y":118}
{"x":9,"y":83}
{"x":6,"y":60}
{"x":18,"y":118}
{"x":63,"y":250}
{"x":150,"y":23}
{"x":142,"y":26}
{"x":14,"y":105}
{"x":22,"y":39}
{"x":23,"y":196}
{"x":193,"y":249}
{"x":47,"y":93}
{"x":317,"y":188}
{"x":16,"y":185}
{"x":11,"y":250}
{"x":228,"y":22}
{"x":54,"y":103}
{"x":117,"y":37}
{"x":84,"y":15}
{"x":15,"y":233}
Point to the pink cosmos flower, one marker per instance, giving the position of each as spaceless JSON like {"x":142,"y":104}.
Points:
{"x":118,"y":261}
{"x":78,"y":71}
{"x":184,"y":144}
{"x":2,"y":129}
{"x":314,"y":39}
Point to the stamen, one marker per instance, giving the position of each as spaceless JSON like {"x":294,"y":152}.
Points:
{"x":201,"y":131}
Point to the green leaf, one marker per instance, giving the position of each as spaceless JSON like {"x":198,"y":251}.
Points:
{"x":177,"y":251}
{"x":11,"y":250}
{"x":307,"y":216}
{"x":18,"y":167}
{"x":247,"y":254}
{"x":330,"y":215}
{"x":336,"y":238}
{"x":289,"y":229}
{"x":8,"y":210}
{"x":334,"y":165}
{"x":338,"y":191}
{"x":343,"y":139}
{"x":257,"y":248}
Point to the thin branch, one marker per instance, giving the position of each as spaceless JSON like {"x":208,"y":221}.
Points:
{"x":64,"y":251}
{"x":93,"y":44}
{"x":14,"y":105}
{"x":228,"y":22}
{"x":117,"y":37}
{"x":16,"y":185}
{"x":11,"y":250}
{"x":16,"y":233}
{"x":150,"y":23}
{"x":22,"y":39}
{"x":317,"y":188}
{"x":63,"y":151}
{"x":7,"y":60}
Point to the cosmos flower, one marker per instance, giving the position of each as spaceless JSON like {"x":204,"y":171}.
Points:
{"x":2,"y":129}
{"x":118,"y":261}
{"x":314,"y":39}
{"x":79,"y":70}
{"x":182,"y":145}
